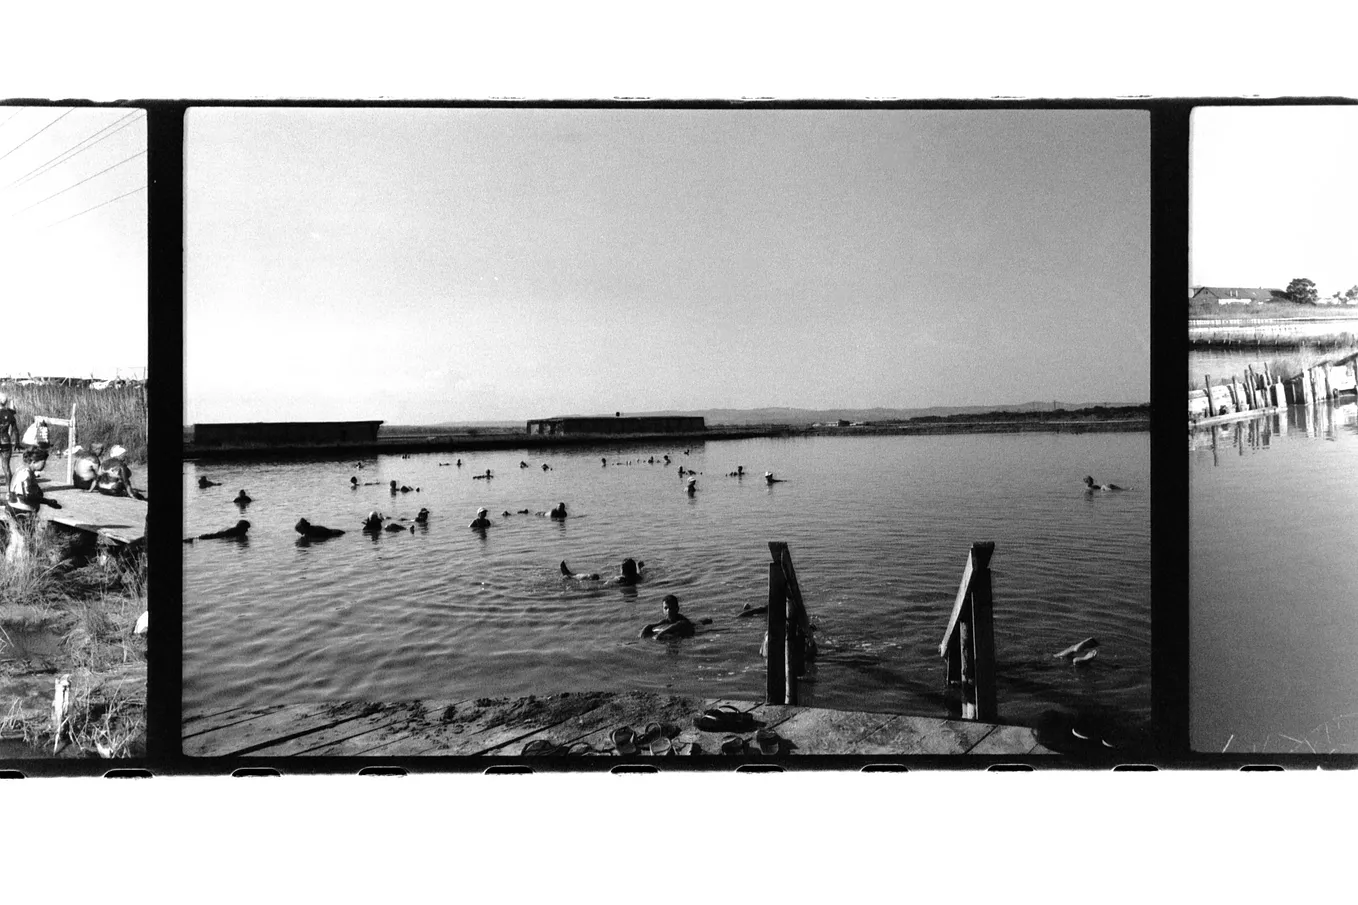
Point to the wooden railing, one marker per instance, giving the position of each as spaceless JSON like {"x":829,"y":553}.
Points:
{"x":969,"y":642}
{"x":789,"y":634}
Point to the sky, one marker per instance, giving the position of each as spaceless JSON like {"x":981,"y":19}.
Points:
{"x":425,"y":266}
{"x":1272,"y":196}
{"x":73,"y":230}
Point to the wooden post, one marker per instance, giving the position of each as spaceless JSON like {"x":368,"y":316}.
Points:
{"x":776,"y":688}
{"x":70,"y":445}
{"x":969,"y":641}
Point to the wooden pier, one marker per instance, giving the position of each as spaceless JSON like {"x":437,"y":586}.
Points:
{"x":504,"y":727}
{"x":114,"y":520}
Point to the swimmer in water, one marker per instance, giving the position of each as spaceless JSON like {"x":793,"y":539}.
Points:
{"x":578,"y":576}
{"x":353,"y":482}
{"x":557,"y":512}
{"x":315,"y":532}
{"x":692,"y":486}
{"x":546,"y":467}
{"x":738,"y":473}
{"x":243,"y":498}
{"x":674,"y":625}
{"x":422,"y":517}
{"x":770,"y":479}
{"x":395,"y":527}
{"x":203,"y":482}
{"x":631,"y":572}
{"x":459,"y":463}
{"x":1090,"y":486}
{"x":373,"y":522}
{"x":523,"y":464}
{"x":480,"y":522}
{"x":239,"y":530}
{"x":604,"y":460}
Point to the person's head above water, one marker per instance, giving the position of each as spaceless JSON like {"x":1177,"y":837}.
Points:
{"x":670,"y":605}
{"x":629,"y":568}
{"x":481,"y":512}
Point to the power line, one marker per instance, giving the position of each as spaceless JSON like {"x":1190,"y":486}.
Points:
{"x":96,"y":207}
{"x":37,"y":133}
{"x":74,"y":184}
{"x":74,"y":150}
{"x":11,"y":116}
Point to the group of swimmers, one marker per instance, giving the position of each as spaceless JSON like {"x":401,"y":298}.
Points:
{"x":674,"y":625}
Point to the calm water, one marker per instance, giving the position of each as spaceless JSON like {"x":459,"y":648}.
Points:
{"x":879,"y":530}
{"x":1274,"y":629}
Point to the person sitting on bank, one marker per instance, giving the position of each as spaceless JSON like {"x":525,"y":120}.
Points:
{"x":480,"y":521}
{"x":25,"y":494}
{"x":9,"y":434}
{"x":115,"y":478}
{"x":85,"y":467}
{"x":674,"y":625}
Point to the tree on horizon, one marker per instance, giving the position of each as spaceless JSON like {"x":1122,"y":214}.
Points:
{"x":1302,"y":291}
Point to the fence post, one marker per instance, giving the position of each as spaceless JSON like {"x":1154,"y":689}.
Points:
{"x":776,"y":687}
{"x":969,"y":642}
{"x":70,"y":445}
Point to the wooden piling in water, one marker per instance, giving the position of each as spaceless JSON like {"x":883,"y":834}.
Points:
{"x":969,"y":641}
{"x":776,"y":686}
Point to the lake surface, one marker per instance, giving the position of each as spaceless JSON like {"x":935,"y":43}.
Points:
{"x":879,"y":529}
{"x":1273,"y":625}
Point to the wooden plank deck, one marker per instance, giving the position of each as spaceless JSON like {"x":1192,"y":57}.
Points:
{"x":117,"y":520}
{"x":502,"y":727}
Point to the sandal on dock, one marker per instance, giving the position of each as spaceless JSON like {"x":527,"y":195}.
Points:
{"x":540,"y":747}
{"x":726,"y":718}
{"x":769,"y":742}
{"x":650,"y":734}
{"x":625,"y":741}
{"x":660,"y":747}
{"x":580,"y":749}
{"x":733,"y":744}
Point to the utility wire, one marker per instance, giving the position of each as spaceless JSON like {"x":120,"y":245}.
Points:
{"x":74,"y":184}
{"x":11,"y":116}
{"x":96,"y":207}
{"x":72,"y":151}
{"x":37,"y":133}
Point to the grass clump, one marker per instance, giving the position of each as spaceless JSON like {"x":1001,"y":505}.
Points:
{"x":65,"y":612}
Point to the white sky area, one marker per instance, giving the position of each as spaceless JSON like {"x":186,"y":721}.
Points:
{"x":1273,"y":195}
{"x":458,"y":265}
{"x":74,"y":257}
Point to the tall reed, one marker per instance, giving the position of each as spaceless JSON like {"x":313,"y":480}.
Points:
{"x":115,"y":415}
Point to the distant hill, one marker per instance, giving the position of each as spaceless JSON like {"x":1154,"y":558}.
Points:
{"x":780,"y":415}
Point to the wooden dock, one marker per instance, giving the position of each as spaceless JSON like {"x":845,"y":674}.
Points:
{"x":503,"y":727}
{"x":115,"y":520}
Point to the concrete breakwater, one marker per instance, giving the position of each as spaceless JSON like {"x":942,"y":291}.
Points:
{"x":1126,"y":418}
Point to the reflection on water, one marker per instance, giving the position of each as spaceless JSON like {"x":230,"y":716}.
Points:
{"x":879,"y":529}
{"x":1274,"y":633}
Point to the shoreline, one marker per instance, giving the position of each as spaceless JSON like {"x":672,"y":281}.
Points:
{"x":477,"y":439}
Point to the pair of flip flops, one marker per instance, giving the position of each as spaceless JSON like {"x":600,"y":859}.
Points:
{"x":542,"y":747}
{"x":654,"y":740}
{"x":725,"y":718}
{"x":765,"y":742}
